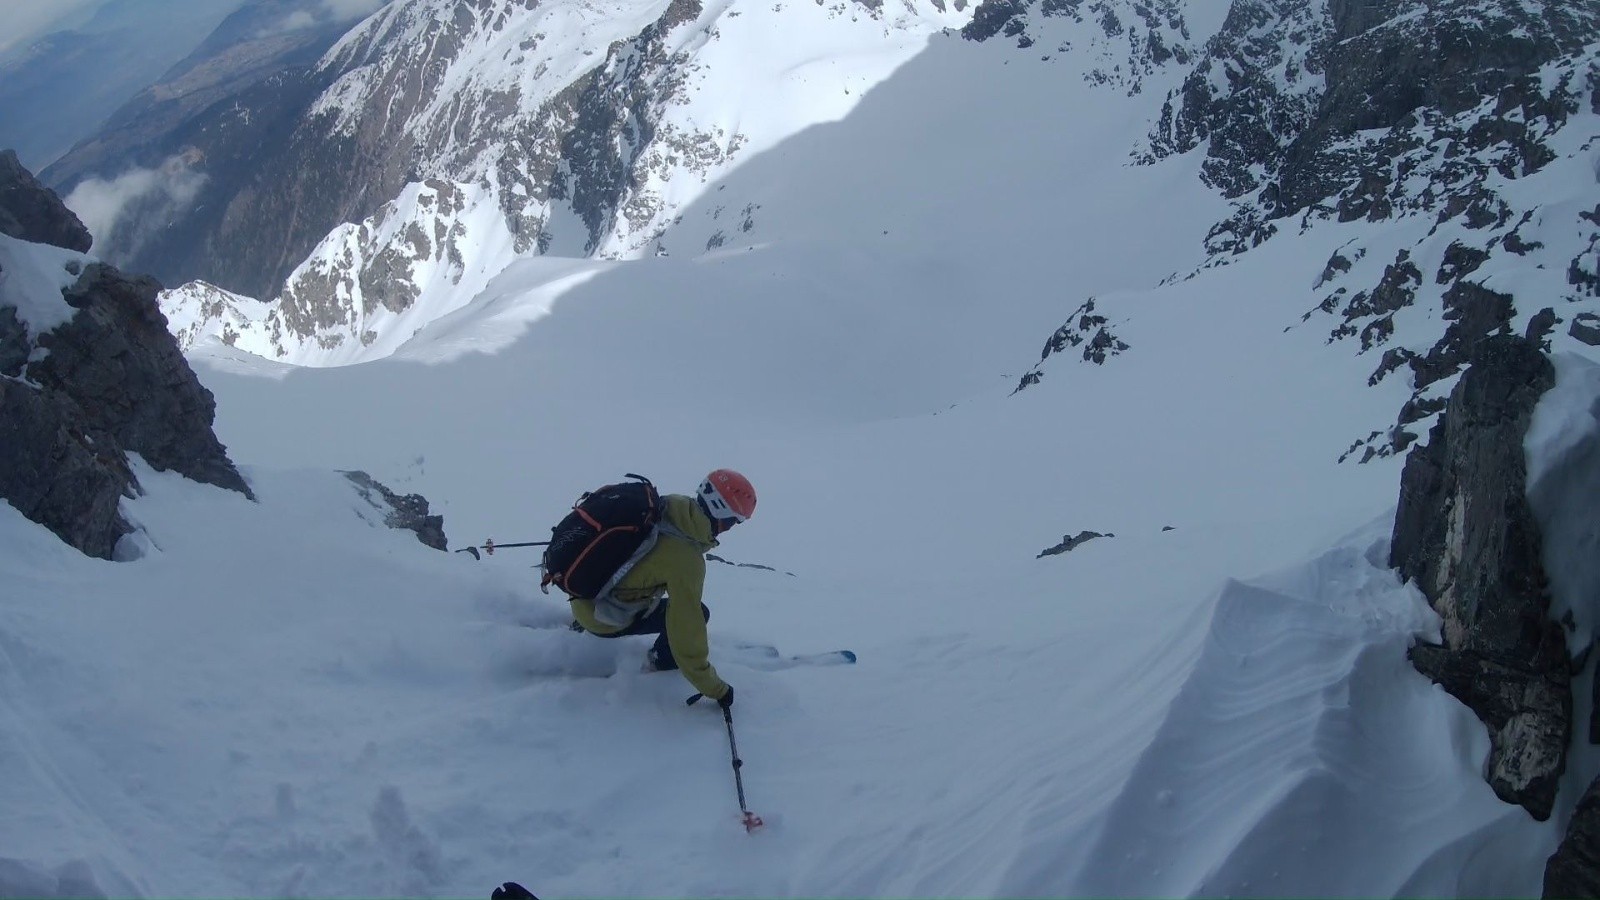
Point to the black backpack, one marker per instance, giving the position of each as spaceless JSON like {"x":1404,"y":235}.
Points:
{"x":607,"y":531}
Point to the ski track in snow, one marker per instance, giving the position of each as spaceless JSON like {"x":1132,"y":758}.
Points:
{"x":383,"y":719}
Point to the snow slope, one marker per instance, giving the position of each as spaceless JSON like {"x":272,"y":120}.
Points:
{"x":287,"y":699}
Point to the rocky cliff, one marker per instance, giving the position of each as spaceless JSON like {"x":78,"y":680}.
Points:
{"x":88,"y":374}
{"x":1467,"y":535}
{"x":1506,"y":557}
{"x":30,"y":212}
{"x":1461,"y":132}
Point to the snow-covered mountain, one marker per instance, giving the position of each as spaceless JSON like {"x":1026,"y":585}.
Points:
{"x":1308,"y":128}
{"x":583,"y":160}
{"x":360,"y":294}
{"x":589,"y":129}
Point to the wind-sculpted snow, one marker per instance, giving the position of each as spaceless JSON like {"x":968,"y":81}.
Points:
{"x":1295,"y":705}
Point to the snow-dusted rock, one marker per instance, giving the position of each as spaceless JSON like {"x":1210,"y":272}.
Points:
{"x":406,"y":512}
{"x":1466,"y":533}
{"x":88,"y":373}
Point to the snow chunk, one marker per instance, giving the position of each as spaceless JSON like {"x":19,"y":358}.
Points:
{"x":1563,"y":453}
{"x":32,"y":279}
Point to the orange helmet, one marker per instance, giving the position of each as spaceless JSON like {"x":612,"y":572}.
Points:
{"x":726,"y":494}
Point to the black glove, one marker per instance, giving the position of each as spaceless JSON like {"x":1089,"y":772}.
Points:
{"x":512,"y":891}
{"x":726,"y":702}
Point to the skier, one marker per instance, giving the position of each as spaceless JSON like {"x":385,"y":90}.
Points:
{"x":660,"y":595}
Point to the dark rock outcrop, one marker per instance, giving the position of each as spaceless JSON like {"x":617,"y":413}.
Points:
{"x":31,"y":212}
{"x":1574,"y":869}
{"x":1084,"y":328}
{"x":76,"y":399}
{"x":1296,"y":84}
{"x":1467,"y":535}
{"x":407,"y":512}
{"x":55,"y":474}
{"x":122,"y":369}
{"x":1068,"y":542}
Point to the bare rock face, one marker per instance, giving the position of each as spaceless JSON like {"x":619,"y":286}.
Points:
{"x":31,"y":212}
{"x":1084,"y":328}
{"x":1466,"y":533}
{"x":54,"y":474}
{"x":76,"y":399}
{"x":1284,"y":85}
{"x":1069,"y":542}
{"x":122,"y":367}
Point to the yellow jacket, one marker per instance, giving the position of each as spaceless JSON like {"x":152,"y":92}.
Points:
{"x":674,"y":567}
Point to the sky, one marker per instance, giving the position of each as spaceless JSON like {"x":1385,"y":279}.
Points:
{"x":286,"y":698}
{"x":22,"y":20}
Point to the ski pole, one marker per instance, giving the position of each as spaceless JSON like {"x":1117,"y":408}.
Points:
{"x":750,"y":819}
{"x":489,"y":547}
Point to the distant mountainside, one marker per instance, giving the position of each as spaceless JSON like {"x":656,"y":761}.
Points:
{"x":253,"y":45}
{"x":60,"y":88}
{"x":152,"y":183}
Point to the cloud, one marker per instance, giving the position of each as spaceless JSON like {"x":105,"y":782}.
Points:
{"x":295,"y":22}
{"x":121,"y":213}
{"x":325,"y":12}
{"x":342,"y":10}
